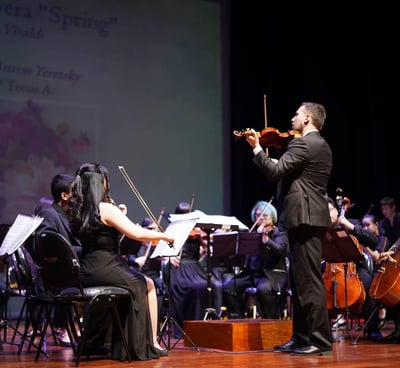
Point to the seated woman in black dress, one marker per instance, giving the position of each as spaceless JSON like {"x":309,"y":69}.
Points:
{"x":99,"y":224}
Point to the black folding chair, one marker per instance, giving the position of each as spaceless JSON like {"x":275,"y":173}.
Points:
{"x":32,"y":307}
{"x":59,"y":270}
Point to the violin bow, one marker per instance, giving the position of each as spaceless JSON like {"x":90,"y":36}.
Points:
{"x":191,"y":203}
{"x":150,"y":244}
{"x":265,"y":117}
{"x":265,"y":111}
{"x":139,"y":197}
{"x":261,"y":214}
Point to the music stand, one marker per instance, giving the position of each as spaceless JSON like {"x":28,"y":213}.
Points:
{"x":209,"y":224}
{"x":249,"y":244}
{"x":180,"y":229}
{"x":224,"y":249}
{"x":224,"y":256}
{"x":339,"y":247}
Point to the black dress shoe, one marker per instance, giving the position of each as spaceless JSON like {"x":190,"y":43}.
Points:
{"x":161,"y":352}
{"x":288,"y":346}
{"x":311,"y":350}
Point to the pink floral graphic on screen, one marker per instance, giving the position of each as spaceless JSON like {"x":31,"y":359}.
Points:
{"x":31,"y":153}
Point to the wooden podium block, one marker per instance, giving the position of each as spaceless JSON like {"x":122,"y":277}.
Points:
{"x":237,"y":335}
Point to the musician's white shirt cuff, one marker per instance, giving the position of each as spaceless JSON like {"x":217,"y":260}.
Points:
{"x":257,"y":149}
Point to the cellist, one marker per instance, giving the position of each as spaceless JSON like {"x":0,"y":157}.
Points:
{"x":386,"y":259}
{"x":367,"y":237}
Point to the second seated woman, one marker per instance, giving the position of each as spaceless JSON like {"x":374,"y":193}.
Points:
{"x":99,"y":224}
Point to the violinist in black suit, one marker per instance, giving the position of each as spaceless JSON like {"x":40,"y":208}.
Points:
{"x":302,"y":174}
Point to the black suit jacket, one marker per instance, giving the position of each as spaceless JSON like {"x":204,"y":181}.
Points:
{"x":302,"y":174}
{"x":55,"y":219}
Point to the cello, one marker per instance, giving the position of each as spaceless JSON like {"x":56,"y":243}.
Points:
{"x":343,"y":287}
{"x":385,"y":286}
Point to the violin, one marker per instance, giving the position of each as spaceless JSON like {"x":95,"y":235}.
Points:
{"x":270,"y":137}
{"x":197,"y":233}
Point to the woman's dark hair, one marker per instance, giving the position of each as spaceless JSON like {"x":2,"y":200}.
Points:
{"x":371,"y":217}
{"x":90,"y":187}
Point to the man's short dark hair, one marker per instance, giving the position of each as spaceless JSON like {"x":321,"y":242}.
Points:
{"x":61,"y":183}
{"x":387,"y":201}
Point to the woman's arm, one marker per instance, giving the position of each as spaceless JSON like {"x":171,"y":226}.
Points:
{"x":111,"y":215}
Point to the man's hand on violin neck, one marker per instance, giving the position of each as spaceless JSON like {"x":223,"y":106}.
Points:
{"x":252,"y":138}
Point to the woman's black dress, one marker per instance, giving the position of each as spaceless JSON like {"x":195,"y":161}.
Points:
{"x":100,"y":265}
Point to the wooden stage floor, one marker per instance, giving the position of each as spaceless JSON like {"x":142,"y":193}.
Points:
{"x":363,"y":354}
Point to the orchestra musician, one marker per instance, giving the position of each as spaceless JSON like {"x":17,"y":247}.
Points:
{"x":99,"y":223}
{"x":186,"y":278}
{"x":393,"y":312}
{"x":55,"y":219}
{"x":266,"y":271}
{"x":390,"y":224}
{"x":368,"y":237}
{"x":302,"y":174}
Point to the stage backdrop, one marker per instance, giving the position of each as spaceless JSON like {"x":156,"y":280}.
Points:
{"x":131,"y":83}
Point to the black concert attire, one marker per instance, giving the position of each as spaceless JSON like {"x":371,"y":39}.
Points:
{"x":392,"y":232}
{"x":302,"y":174}
{"x":266,"y":272}
{"x":55,"y":219}
{"x":101,"y":265}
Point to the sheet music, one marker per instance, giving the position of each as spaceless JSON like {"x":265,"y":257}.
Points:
{"x":222,"y":222}
{"x":219,"y":221}
{"x":180,"y":230}
{"x":19,"y":231}
{"x":185,"y":216}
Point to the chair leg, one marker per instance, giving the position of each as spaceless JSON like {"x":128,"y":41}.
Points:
{"x":31,"y":322}
{"x":21,"y":313}
{"x":42,"y":343}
